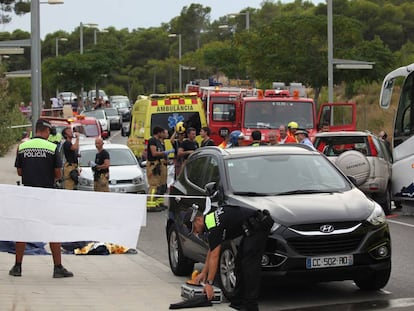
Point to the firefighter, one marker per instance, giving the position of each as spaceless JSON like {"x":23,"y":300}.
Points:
{"x":155,"y":154}
{"x":292,"y":127}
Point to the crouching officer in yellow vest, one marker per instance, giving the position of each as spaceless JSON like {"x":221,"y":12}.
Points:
{"x":227,"y":223}
{"x":156,"y":154}
{"x":70,"y":150}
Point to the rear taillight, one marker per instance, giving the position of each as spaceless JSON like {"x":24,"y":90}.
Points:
{"x":372,"y":148}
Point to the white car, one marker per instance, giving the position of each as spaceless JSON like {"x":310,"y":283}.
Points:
{"x":92,"y":95}
{"x":125,"y":174}
{"x":67,"y":97}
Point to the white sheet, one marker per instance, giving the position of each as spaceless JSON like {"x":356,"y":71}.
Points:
{"x":54,"y":215}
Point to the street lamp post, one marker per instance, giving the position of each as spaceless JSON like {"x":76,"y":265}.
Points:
{"x":35,"y":57}
{"x":174,"y":35}
{"x":92,"y":25}
{"x":57,"y":44}
{"x":57,"y":54}
{"x":36,"y":75}
{"x":95,"y":31}
{"x":81,"y":44}
{"x":330,"y":52}
{"x":247,"y":14}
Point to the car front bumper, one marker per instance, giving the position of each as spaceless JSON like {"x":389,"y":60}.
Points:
{"x":119,"y":188}
{"x":287,"y":256}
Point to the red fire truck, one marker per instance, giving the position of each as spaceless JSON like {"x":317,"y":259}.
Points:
{"x":246,"y":110}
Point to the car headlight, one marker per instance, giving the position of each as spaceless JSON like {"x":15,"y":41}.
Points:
{"x":85,"y":182}
{"x":377,"y":216}
{"x":138,"y":180}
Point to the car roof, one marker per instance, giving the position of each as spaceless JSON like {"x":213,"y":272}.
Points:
{"x":106,"y":146}
{"x":258,"y":151}
{"x":84,"y":120}
{"x":56,"y":120}
{"x":343,"y":133}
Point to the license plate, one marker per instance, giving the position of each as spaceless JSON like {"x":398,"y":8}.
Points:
{"x":329,"y":261}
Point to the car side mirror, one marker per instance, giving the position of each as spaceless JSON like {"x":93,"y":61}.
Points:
{"x":232,"y":114}
{"x":211,"y":191}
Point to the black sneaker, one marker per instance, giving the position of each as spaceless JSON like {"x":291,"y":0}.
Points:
{"x":61,"y":272}
{"x":16,"y":270}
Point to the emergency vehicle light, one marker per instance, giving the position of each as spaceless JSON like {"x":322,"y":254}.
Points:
{"x":277,"y":93}
{"x":296,"y":93}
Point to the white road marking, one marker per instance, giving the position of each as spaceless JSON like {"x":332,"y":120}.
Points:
{"x":400,"y":223}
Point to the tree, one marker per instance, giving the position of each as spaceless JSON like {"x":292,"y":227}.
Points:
{"x":8,"y":6}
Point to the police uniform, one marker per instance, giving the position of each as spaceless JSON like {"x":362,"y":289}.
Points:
{"x":258,"y":143}
{"x":101,"y":176}
{"x":230,"y":222}
{"x":38,"y":159}
{"x":154,"y":169}
{"x":71,"y":164}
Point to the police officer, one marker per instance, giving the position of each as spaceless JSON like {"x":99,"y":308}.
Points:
{"x":101,"y":167}
{"x":227,"y":223}
{"x":39,"y":165}
{"x":71,"y":155}
{"x":55,"y":137}
{"x":156,"y":154}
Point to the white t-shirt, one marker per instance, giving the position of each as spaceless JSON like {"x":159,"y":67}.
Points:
{"x":55,"y":102}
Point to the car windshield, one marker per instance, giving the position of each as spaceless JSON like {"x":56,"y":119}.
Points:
{"x":167,"y":120}
{"x":89,"y":130}
{"x":98,"y":113}
{"x":118,"y":157}
{"x":111,"y":112}
{"x":120,"y":104}
{"x":284,"y":174}
{"x":335,"y":145}
{"x":271,"y":114}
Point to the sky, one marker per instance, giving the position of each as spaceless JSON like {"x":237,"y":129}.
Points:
{"x":120,"y":14}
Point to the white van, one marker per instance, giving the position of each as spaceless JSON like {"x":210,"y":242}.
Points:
{"x":92,"y":95}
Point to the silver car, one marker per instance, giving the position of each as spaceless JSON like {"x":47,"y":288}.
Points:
{"x":363,"y":156}
{"x":125,"y":174}
{"x":115,"y":118}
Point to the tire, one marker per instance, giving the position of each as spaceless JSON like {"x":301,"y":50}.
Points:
{"x":179,"y":264}
{"x":374,"y":281}
{"x":385,"y":201}
{"x":226,"y":276}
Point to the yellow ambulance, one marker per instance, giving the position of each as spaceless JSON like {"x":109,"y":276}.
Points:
{"x":163,"y":110}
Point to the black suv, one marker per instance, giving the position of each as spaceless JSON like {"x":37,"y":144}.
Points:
{"x":325,"y":228}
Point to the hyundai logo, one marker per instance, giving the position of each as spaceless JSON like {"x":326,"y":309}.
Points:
{"x":326,"y":228}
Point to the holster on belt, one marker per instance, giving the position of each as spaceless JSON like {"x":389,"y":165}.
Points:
{"x":262,"y":220}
